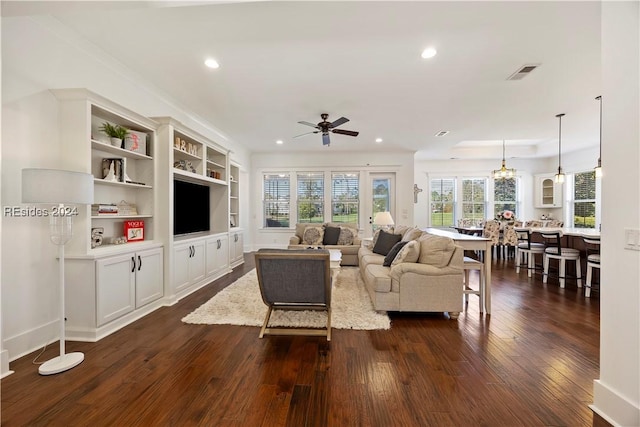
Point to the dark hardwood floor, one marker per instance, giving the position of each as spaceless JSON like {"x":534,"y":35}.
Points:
{"x":531,"y":363}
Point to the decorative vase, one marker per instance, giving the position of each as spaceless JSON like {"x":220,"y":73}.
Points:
{"x":116,"y":142}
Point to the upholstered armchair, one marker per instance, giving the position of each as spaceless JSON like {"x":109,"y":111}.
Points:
{"x":294,"y":280}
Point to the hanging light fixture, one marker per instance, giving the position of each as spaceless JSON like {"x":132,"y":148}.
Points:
{"x":598,"y":169}
{"x":503,"y":172}
{"x":560,"y":174}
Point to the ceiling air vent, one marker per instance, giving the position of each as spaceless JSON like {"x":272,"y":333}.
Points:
{"x":442,"y":133}
{"x":523,"y":71}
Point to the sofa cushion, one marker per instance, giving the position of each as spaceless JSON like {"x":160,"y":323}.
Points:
{"x":411,"y":234}
{"x":346,"y":236}
{"x":388,"y":259}
{"x":385,"y":242}
{"x":436,"y":250}
{"x":409,"y":253}
{"x":378,"y":277}
{"x":331,"y":235}
{"x":401,"y":229}
{"x":313,"y":235}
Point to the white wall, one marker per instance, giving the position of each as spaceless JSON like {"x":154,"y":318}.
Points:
{"x":617,"y":391}
{"x":39,"y":54}
{"x":400,"y":163}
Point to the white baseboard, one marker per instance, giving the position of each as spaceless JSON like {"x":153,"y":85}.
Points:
{"x":4,"y":364}
{"x":613,"y":407}
{"x":31,"y":340}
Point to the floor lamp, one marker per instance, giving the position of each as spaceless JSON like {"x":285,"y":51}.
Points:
{"x":58,"y":187}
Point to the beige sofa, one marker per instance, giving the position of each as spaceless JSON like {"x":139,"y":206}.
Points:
{"x":313,"y":235}
{"x":425,"y":276}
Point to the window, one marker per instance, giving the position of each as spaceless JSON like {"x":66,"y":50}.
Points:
{"x":584,"y":200}
{"x":311,"y":197}
{"x":345,"y":197}
{"x":473,"y":198}
{"x":442,"y":201}
{"x":505,"y":193}
{"x":276,"y":199}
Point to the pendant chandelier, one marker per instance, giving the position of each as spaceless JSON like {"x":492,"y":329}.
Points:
{"x":598,"y":169}
{"x":560,"y":174}
{"x":503,"y":172}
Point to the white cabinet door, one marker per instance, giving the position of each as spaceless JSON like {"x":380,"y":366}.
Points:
{"x":115,"y":283}
{"x":236,"y":248}
{"x":149,"y":276}
{"x":197,"y":266}
{"x":181,"y":258}
{"x":217,"y":254}
{"x":548,"y":193}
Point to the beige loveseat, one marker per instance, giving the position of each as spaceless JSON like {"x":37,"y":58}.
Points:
{"x":425,"y":276}
{"x":313,"y":235}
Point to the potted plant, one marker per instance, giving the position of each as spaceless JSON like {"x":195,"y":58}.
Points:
{"x":117,"y":133}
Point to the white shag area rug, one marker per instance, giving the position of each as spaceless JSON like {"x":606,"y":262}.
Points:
{"x":241,"y":304}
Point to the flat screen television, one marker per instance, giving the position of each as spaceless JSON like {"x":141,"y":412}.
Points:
{"x":190,"y":208}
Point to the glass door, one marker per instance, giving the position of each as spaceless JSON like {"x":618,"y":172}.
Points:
{"x":382,"y":190}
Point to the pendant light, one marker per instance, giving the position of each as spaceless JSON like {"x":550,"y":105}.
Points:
{"x":503,"y":172}
{"x":560,"y":174}
{"x":598,"y":169}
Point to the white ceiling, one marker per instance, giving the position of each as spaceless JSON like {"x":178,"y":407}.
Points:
{"x":284,"y":62}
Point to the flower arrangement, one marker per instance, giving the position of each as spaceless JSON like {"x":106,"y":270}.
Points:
{"x":506,"y":216}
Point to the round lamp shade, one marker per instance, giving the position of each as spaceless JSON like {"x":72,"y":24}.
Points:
{"x":56,"y":186}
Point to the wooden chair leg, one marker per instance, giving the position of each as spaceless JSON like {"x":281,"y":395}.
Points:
{"x":587,"y":286}
{"x":266,"y":322}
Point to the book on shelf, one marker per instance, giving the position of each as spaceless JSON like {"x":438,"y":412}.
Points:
{"x":134,"y":230}
{"x":104,"y":209}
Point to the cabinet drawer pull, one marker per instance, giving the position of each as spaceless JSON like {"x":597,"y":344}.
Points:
{"x":133,"y":264}
{"x":139,"y":262}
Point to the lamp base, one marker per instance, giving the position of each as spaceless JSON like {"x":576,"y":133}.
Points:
{"x":61,"y":363}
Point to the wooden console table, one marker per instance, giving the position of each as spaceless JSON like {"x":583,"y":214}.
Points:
{"x":472,"y":243}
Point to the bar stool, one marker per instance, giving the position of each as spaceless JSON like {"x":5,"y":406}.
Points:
{"x":468,"y":265}
{"x":593,"y":260}
{"x":555,"y":250}
{"x":528,"y":250}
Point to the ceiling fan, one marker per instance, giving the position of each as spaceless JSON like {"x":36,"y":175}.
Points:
{"x":325,"y":127}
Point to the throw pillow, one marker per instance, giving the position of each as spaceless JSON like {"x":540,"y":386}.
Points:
{"x":388,"y":259}
{"x":409,"y":253}
{"x":331,"y":235}
{"x":385,"y":242}
{"x":346,"y":236}
{"x":313,"y":235}
{"x":436,"y":250}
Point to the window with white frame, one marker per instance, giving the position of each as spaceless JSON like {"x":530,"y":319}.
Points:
{"x":505,"y":195}
{"x":584,"y":200}
{"x":474,"y":198}
{"x":310,"y":202}
{"x":442,"y":201}
{"x":276,"y":200}
{"x":345,"y":197}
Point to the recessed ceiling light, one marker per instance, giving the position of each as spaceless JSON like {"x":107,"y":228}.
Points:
{"x":429,"y":53}
{"x":378,"y":140}
{"x":442,"y":133}
{"x":279,"y":142}
{"x":211,"y":63}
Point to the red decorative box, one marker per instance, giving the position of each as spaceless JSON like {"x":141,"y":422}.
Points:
{"x":134,"y":231}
